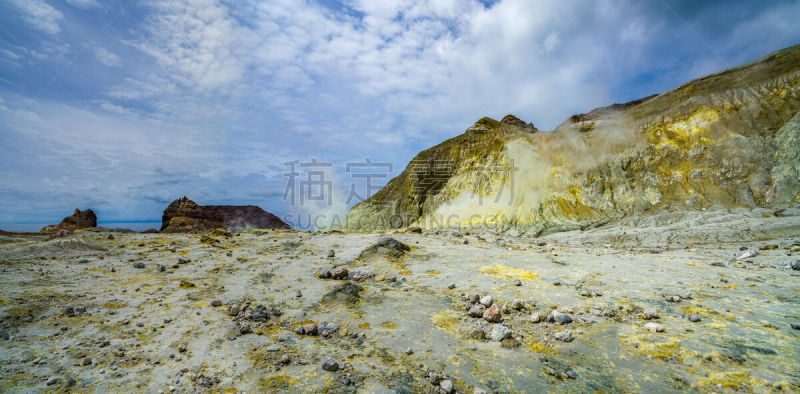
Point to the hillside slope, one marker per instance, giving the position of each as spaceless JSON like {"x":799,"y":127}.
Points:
{"x":724,"y":140}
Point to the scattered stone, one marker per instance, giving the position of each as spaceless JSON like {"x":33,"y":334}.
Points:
{"x":563,"y":336}
{"x":182,"y":260}
{"x":138,"y":264}
{"x":718,"y":264}
{"x":474,"y":299}
{"x":795,"y":326}
{"x":326,"y":274}
{"x":748,"y":254}
{"x":233,"y":309}
{"x":53,"y":380}
{"x":330,"y":365}
{"x":69,"y":311}
{"x":285,"y":359}
{"x":451,"y":286}
{"x":409,"y":351}
{"x":310,"y":329}
{"x":216,"y":303}
{"x":536,"y":318}
{"x":654,"y":327}
{"x":300,"y":330}
{"x":487,"y":301}
{"x":561,"y":318}
{"x":478,"y":390}
{"x":339,"y":273}
{"x":245,"y":328}
{"x":650,"y":313}
{"x":556,"y":283}
{"x":446,"y":386}
{"x":517,"y":304}
{"x":694,"y":318}
{"x":500,"y":332}
{"x":510,"y":343}
{"x":331,"y":253}
{"x":299,"y":294}
{"x":517,"y":282}
{"x":493,"y":315}
{"x":795,"y":264}
{"x":86,"y":361}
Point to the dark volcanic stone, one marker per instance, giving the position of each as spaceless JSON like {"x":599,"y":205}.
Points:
{"x":79,"y":219}
{"x":184,"y":215}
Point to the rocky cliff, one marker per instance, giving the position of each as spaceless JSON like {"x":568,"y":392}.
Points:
{"x":724,"y":140}
{"x":184,"y":215}
{"x":78,"y":219}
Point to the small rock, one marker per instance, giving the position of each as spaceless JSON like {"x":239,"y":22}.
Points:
{"x":795,"y":326}
{"x":409,"y":351}
{"x":478,"y":390}
{"x":748,"y":254}
{"x":451,"y":286}
{"x":273,"y":348}
{"x":510,"y":343}
{"x":536,"y":317}
{"x":310,"y":329}
{"x":245,"y":328}
{"x":300,"y":330}
{"x":474,"y":299}
{"x":477,"y":310}
{"x":299,"y":294}
{"x":500,"y":332}
{"x":650,"y":313}
{"x":446,"y":386}
{"x":330,"y":365}
{"x":216,"y":303}
{"x":564,"y":336}
{"x":331,"y":253}
{"x":654,"y":327}
{"x":86,"y":361}
{"x":517,"y":304}
{"x":326,"y":274}
{"x":694,"y":318}
{"x":53,"y":380}
{"x":493,"y":315}
{"x":339,"y":273}
{"x":233,"y":310}
{"x":182,"y":260}
{"x":517,"y":282}
{"x":795,"y":264}
{"x":562,"y":318}
{"x":138,"y":264}
{"x":285,"y":358}
{"x":487,"y":301}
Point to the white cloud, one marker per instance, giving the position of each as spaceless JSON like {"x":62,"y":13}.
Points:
{"x":84,"y":3}
{"x":40,"y":14}
{"x":107,"y":57}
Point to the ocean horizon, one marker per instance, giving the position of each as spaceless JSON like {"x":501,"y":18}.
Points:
{"x":135,"y":225}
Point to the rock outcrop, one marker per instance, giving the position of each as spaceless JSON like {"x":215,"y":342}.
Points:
{"x":724,"y":140}
{"x":184,"y":215}
{"x":78,"y":219}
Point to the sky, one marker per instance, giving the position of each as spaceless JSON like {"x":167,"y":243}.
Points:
{"x":123,"y":106}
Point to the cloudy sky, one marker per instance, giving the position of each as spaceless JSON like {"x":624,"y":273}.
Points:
{"x":122,"y":106}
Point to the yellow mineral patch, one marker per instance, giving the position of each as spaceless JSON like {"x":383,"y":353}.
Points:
{"x":685,"y":133}
{"x":388,"y":324}
{"x":731,"y":380}
{"x":432,"y":272}
{"x":446,"y":321}
{"x":506,"y":272}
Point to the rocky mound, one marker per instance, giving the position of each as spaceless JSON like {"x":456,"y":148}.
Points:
{"x":725,"y":140}
{"x":184,"y":215}
{"x":78,"y":219}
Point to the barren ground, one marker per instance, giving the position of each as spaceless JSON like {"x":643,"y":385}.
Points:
{"x":144,"y":329}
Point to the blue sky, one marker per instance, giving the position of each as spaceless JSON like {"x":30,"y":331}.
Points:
{"x":123,"y":106}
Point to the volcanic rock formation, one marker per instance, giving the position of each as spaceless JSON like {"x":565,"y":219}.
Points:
{"x":725,"y":140}
{"x":184,"y":215}
{"x":78,"y":219}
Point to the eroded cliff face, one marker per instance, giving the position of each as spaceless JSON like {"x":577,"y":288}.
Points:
{"x":185,"y":216}
{"x":727,"y":139}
